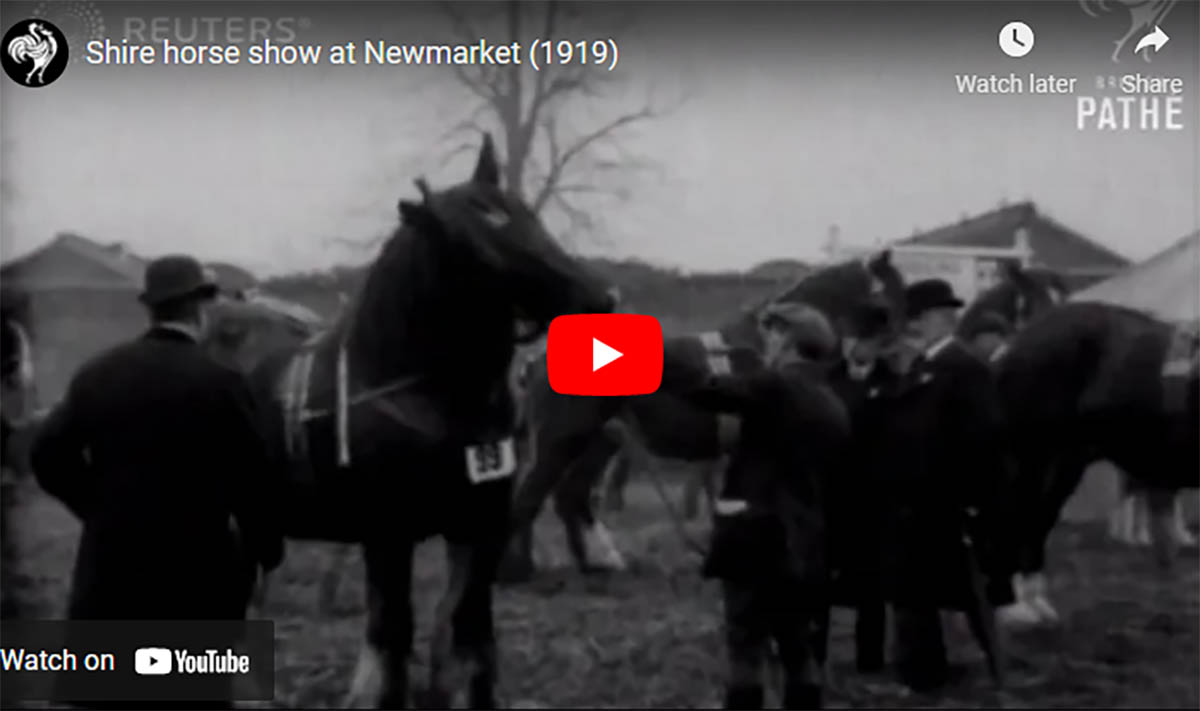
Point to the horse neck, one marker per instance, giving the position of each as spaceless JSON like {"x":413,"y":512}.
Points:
{"x":1002,"y":299}
{"x":417,"y":317}
{"x":824,"y":290}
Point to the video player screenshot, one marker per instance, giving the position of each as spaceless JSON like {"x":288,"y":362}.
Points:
{"x":599,"y":354}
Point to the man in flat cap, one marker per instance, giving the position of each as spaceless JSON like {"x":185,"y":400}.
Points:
{"x":769,"y":539}
{"x":157,"y":449}
{"x":936,"y":451}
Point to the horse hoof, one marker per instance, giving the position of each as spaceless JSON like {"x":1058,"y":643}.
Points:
{"x":1044,"y":610}
{"x":1020,"y":615}
{"x":611,"y":565}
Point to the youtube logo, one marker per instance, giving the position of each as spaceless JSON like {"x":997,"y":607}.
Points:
{"x":604,"y":354}
{"x":152,"y":661}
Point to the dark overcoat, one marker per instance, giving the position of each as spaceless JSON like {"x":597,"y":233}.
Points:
{"x":794,"y":432}
{"x":157,"y":449}
{"x":933,"y":441}
{"x":856,"y":500}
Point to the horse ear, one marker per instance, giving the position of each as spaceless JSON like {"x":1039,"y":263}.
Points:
{"x":410,"y":211}
{"x":423,"y":187}
{"x":487,"y":169}
{"x":1012,"y":271}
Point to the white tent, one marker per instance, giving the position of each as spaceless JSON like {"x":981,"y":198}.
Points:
{"x":1167,"y":285}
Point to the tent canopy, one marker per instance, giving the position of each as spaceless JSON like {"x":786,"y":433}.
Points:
{"x":1166,"y":286}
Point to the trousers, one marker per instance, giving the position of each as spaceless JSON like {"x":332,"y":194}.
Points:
{"x":796,"y":619}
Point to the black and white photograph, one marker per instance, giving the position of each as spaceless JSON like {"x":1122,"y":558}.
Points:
{"x":600,"y":354}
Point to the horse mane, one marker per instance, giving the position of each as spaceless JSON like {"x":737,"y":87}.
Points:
{"x":385,"y":308}
{"x":994,"y":298}
{"x":1005,"y":297}
{"x":821,"y":287}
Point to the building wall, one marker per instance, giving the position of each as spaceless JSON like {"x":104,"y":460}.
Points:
{"x":70,"y":326}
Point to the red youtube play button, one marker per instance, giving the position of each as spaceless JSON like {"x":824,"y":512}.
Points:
{"x":604,"y":354}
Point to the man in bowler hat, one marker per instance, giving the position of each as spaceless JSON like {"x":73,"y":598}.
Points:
{"x":938,"y":455}
{"x":769,"y":541}
{"x":157,"y":449}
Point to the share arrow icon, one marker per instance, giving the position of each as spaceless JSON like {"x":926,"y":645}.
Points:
{"x":1155,"y":40}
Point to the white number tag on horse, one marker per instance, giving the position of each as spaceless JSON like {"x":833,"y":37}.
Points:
{"x":491,"y":460}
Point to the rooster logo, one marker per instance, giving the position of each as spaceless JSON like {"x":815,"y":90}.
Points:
{"x":1144,"y":15}
{"x":34,"y":53}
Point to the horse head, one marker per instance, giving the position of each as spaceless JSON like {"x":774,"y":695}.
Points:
{"x":837,"y":290}
{"x":1021,"y":295}
{"x":508,"y":245}
{"x":464,"y":266}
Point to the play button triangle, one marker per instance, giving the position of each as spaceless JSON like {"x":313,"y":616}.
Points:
{"x":603,"y":354}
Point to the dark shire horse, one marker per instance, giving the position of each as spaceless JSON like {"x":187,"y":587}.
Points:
{"x":1087,"y":382}
{"x":568,"y":436}
{"x":1021,"y":295}
{"x":397,"y":422}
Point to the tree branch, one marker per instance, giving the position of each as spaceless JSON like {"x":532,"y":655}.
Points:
{"x":483,"y":86}
{"x":560,"y":159}
{"x":526,"y":106}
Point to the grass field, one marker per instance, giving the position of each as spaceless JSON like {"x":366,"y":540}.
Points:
{"x":650,"y":637}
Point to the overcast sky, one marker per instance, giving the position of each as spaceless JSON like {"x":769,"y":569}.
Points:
{"x":795,"y":118}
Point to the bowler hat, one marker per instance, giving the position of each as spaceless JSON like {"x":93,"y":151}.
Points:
{"x":805,"y":324}
{"x":988,"y":322}
{"x":930,"y":294}
{"x":177,"y":276}
{"x":869,"y":319}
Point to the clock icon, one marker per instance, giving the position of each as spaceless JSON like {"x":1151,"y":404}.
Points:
{"x":1016,"y":39}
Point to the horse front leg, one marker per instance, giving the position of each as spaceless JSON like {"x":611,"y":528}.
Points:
{"x":1035,"y":484}
{"x":381,"y":675}
{"x":588,"y":539}
{"x":1032,"y":587}
{"x":464,"y":629}
{"x":616,"y":480}
{"x":551,"y":459}
{"x":1161,"y":505}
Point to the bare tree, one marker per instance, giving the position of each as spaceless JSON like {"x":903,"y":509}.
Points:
{"x":555,"y":157}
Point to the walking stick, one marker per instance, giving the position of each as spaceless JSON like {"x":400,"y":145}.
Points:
{"x":981,"y":617}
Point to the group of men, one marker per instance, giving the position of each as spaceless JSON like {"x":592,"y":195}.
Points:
{"x":870,"y":486}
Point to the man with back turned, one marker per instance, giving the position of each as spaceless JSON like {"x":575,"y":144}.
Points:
{"x":157,"y":449}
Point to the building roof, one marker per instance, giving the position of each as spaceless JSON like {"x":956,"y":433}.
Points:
{"x":70,"y":260}
{"x":1166,"y":285}
{"x":1053,"y":245}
